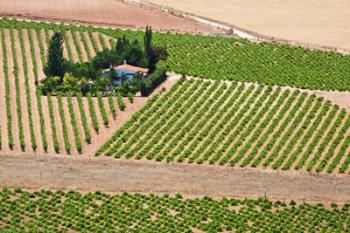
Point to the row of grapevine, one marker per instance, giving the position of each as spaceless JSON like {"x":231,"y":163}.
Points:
{"x":154,"y":103}
{"x":71,"y":211}
{"x":27,"y":90}
{"x":7,"y":91}
{"x":38,"y":94}
{"x":23,"y":55}
{"x":253,"y":125}
{"x":66,"y":138}
{"x":231,"y":58}
{"x":18,"y":91}
{"x":53,"y":124}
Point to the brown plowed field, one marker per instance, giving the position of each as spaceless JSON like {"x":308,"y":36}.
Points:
{"x":109,"y":12}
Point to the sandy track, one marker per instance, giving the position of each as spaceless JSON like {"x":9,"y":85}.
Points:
{"x":309,"y":21}
{"x":109,"y":12}
{"x":110,"y":175}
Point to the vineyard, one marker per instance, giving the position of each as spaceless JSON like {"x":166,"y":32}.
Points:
{"x":53,"y":124}
{"x":237,"y":125}
{"x":95,"y":212}
{"x":237,"y":104}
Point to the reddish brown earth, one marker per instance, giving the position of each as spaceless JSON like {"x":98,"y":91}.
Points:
{"x":108,"y":12}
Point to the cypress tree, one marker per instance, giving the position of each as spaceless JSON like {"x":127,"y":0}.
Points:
{"x":55,"y":60}
{"x":151,"y":60}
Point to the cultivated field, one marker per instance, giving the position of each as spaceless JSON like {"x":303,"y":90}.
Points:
{"x":105,"y":12}
{"x":309,"y":21}
{"x":32,"y":122}
{"x":95,"y":212}
{"x":68,"y":124}
{"x":250,"y":122}
{"x":238,"y":125}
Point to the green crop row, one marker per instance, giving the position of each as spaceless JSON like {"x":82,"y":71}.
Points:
{"x":120,"y":102}
{"x":232,"y":58}
{"x":92,"y":112}
{"x":83,"y":118}
{"x":71,"y":211}
{"x":18,"y":91}
{"x":252,"y":125}
{"x":56,"y":144}
{"x":38,"y":94}
{"x":66,"y":140}
{"x":102,"y":109}
{"x":27,"y":89}
{"x":74,"y":123}
{"x":111,"y":105}
{"x":7,"y":90}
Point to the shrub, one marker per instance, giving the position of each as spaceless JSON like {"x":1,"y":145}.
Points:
{"x":153,"y":80}
{"x":121,"y":103}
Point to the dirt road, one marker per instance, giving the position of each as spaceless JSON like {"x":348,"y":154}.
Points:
{"x":112,"y":175}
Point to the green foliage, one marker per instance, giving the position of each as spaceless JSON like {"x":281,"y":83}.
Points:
{"x":102,"y":109}
{"x":83,"y":118}
{"x":56,"y":144}
{"x":42,"y":121}
{"x":28,"y":91}
{"x":62,"y":211}
{"x":55,"y":60}
{"x":18,"y":91}
{"x":7,"y":91}
{"x":120,"y":102}
{"x":219,"y":57}
{"x":132,"y":52}
{"x":111,"y":105}
{"x":240,"y":125}
{"x":92,"y":112}
{"x":61,"y":110}
{"x":131,"y":97}
{"x":152,"y":81}
{"x":74,"y":123}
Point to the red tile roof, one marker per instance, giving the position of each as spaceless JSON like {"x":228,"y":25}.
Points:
{"x":132,"y":68}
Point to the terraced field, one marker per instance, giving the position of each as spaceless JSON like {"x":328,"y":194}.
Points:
{"x":237,"y":124}
{"x":95,"y":212}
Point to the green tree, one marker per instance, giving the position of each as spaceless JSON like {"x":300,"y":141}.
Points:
{"x":148,"y":48}
{"x":55,"y":65}
{"x":148,"y":40}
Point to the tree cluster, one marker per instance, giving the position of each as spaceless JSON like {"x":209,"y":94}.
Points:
{"x":67,"y":76}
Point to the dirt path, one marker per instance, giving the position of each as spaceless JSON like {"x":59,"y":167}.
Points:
{"x":106,"y":12}
{"x":111,"y":175}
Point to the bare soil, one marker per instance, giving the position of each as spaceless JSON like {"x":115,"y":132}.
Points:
{"x":340,"y":98}
{"x":108,"y":12}
{"x":309,"y":21}
{"x":111,"y":175}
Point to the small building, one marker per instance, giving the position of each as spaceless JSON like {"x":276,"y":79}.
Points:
{"x":127,"y":72}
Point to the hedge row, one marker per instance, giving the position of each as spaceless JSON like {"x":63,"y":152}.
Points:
{"x":152,"y":81}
